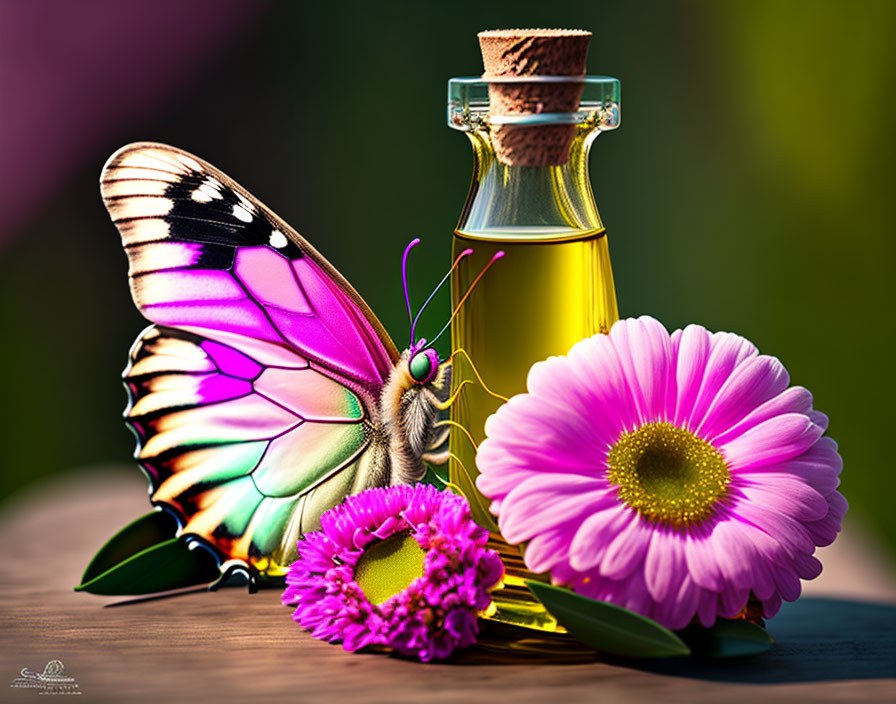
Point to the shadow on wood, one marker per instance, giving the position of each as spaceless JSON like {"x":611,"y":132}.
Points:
{"x":816,"y":640}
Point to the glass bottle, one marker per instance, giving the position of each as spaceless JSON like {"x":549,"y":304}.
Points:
{"x":553,"y":286}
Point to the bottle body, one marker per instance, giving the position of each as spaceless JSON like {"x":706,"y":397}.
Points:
{"x":552,"y":287}
{"x":542,"y":297}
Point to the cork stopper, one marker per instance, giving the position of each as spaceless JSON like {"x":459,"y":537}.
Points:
{"x":512,"y":53}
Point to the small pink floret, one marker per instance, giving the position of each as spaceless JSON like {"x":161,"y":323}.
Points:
{"x":436,"y":614}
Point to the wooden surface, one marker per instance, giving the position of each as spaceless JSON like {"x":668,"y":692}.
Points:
{"x":835,"y":644}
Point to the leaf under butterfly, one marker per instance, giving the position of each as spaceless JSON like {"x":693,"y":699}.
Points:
{"x":146,"y":557}
{"x":148,"y":530}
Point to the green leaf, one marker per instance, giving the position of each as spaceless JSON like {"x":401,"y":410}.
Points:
{"x":607,"y":627}
{"x":728,"y":638}
{"x":436,"y":475}
{"x":165,"y":566}
{"x":146,"y":531}
{"x":145,"y":558}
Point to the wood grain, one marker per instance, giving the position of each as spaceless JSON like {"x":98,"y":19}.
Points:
{"x":233,"y":646}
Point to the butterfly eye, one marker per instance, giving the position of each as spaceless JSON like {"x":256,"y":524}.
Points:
{"x":423,"y":365}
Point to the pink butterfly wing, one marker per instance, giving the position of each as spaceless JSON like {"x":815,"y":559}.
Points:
{"x":254,"y":396}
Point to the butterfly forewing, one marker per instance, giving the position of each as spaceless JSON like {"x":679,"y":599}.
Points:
{"x":254,"y":396}
{"x":202,"y":249}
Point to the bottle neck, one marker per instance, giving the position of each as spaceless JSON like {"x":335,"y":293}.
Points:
{"x":539,"y":203}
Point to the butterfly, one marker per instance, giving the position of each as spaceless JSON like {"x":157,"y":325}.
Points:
{"x":266,"y":389}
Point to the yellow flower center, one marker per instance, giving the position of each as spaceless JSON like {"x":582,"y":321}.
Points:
{"x":668,"y":474}
{"x":388,"y":567}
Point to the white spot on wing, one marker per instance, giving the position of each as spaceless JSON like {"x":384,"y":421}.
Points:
{"x":138,"y":207}
{"x":240,"y":213}
{"x":134,"y":187}
{"x":278,"y":239}
{"x":207,"y":191}
{"x":245,"y":202}
{"x":191,"y":163}
{"x":161,"y":255}
{"x":212,"y":187}
{"x":135,"y":231}
{"x":146,"y":160}
{"x":120,"y":173}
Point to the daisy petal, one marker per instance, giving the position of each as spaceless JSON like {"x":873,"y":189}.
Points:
{"x":788,"y":495}
{"x":791,"y":534}
{"x":788,"y":583}
{"x":552,"y":381}
{"x":727,"y":351}
{"x":733,"y":601}
{"x":820,"y":419}
{"x":774,"y":440}
{"x":807,"y":566}
{"x":733,"y":554}
{"x":819,"y":467}
{"x":549,"y":547}
{"x":645,"y":352}
{"x":525,"y":513}
{"x":763,"y":580}
{"x":677,"y":610}
{"x":626,"y":551}
{"x":796,"y":399}
{"x":707,"y":608}
{"x":693,"y":348}
{"x":592,"y":538}
{"x":754,"y":382}
{"x":664,"y":566}
{"x":603,"y":382}
{"x":824,"y":531}
{"x":771,"y":605}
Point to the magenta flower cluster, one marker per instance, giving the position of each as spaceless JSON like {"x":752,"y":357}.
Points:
{"x":437,"y":612}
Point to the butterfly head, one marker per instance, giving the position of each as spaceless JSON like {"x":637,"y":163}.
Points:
{"x":423,"y":365}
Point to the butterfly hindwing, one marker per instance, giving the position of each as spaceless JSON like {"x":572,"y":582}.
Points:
{"x":254,"y":396}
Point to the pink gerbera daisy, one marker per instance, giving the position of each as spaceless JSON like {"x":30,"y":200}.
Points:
{"x":403,"y":567}
{"x":675,"y":475}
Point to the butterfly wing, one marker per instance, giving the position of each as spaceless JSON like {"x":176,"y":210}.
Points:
{"x":254,"y":397}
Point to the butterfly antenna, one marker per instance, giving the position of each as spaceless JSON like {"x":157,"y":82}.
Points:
{"x":441,"y":283}
{"x":404,"y":281}
{"x":491,"y":261}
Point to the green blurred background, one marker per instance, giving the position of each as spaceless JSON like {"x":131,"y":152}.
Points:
{"x":748,"y":189}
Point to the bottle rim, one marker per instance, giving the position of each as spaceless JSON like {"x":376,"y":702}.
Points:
{"x":468,"y":103}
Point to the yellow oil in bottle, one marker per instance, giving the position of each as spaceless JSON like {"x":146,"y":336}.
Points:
{"x":552,"y":288}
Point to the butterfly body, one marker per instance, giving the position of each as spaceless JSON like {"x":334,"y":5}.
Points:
{"x":266,"y":390}
{"x":410,"y":411}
